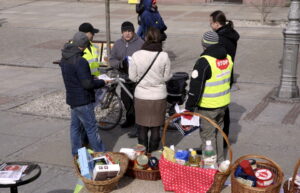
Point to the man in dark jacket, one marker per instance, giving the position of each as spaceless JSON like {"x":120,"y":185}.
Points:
{"x":228,"y":37}
{"x":124,"y":47}
{"x":209,"y":92}
{"x":80,"y":95}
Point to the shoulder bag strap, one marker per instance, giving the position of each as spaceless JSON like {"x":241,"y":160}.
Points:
{"x":147,"y":69}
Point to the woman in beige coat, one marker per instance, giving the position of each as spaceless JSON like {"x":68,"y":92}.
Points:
{"x":151,"y":93}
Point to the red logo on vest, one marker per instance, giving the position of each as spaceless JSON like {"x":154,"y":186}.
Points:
{"x":222,"y":64}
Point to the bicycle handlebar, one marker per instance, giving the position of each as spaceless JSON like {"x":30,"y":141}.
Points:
{"x":106,"y":68}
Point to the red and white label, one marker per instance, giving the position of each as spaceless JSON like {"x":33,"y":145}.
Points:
{"x":263,"y":174}
{"x":222,"y":64}
{"x":264,"y":177}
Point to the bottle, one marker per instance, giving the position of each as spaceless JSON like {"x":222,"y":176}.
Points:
{"x":209,"y":156}
{"x":224,"y":165}
{"x":194,"y":159}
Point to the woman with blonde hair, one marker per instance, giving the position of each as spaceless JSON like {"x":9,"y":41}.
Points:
{"x":150,"y":67}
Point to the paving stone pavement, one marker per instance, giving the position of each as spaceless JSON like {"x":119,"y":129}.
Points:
{"x":33,"y":32}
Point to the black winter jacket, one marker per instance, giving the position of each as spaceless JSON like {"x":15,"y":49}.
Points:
{"x":77,"y":77}
{"x":200,"y":74}
{"x":228,"y":37}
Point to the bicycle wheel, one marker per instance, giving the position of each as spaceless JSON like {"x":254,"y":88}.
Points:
{"x":109,"y":112}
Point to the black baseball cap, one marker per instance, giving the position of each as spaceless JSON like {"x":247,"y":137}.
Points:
{"x":87,"y":27}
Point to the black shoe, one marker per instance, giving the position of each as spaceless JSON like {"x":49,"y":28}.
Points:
{"x":132,"y":133}
{"x":126,"y":124}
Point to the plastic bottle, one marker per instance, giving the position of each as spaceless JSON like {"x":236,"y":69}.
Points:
{"x":224,"y":165}
{"x":194,"y":159}
{"x":209,"y":156}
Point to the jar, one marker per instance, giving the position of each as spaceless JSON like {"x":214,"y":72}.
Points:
{"x":142,"y":162}
{"x":264,"y":177}
{"x":153,"y":163}
{"x":139,"y":149}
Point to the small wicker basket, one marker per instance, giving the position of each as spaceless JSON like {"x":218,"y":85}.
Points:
{"x":105,"y":185}
{"x":220,"y":177}
{"x":289,"y":187}
{"x":237,"y":187}
{"x":151,"y":175}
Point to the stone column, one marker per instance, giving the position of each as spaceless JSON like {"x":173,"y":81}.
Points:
{"x":288,"y":88}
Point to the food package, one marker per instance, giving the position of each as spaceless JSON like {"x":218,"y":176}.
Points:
{"x":169,"y":154}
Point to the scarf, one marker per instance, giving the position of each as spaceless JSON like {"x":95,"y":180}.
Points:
{"x":149,"y":46}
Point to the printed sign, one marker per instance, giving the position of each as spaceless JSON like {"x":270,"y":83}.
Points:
{"x":133,"y":1}
{"x":102,"y":51}
{"x":222,"y":64}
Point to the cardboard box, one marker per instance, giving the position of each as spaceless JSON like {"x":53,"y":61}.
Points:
{"x":103,"y":172}
{"x":86,"y":163}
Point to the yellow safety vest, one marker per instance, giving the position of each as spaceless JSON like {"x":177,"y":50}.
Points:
{"x":92,"y":57}
{"x":217,"y":89}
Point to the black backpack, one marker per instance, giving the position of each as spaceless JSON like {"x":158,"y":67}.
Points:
{"x":176,"y":88}
{"x":139,"y":9}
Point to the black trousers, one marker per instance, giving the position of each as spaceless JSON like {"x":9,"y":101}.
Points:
{"x":128,"y":102}
{"x":226,"y":121}
{"x":153,"y":144}
{"x":227,"y":113}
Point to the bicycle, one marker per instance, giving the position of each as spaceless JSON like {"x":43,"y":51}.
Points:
{"x":109,"y":109}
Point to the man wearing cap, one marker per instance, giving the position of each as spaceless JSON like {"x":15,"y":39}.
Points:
{"x":80,"y":95}
{"x":91,"y":52}
{"x":124,"y":47}
{"x":209,"y":92}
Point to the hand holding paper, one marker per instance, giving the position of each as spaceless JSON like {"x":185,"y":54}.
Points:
{"x":187,"y":119}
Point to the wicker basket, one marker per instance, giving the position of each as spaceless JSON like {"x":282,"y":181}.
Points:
{"x":144,"y":174}
{"x":151,"y":175}
{"x":237,"y":187}
{"x":291,"y":188}
{"x":105,"y":185}
{"x":220,"y":177}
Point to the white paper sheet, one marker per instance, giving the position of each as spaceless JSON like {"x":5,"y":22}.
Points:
{"x":194,"y":121}
{"x":104,"y":77}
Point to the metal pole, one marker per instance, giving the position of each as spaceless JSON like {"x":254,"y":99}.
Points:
{"x":107,"y":14}
{"x":288,"y":88}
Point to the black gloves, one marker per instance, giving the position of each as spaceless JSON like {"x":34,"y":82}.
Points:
{"x":124,"y":66}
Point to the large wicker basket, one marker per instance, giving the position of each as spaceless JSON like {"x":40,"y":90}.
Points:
{"x":220,"y":177}
{"x":237,"y":187}
{"x":105,"y":185}
{"x":289,"y":187}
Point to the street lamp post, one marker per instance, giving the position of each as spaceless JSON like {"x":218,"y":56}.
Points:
{"x":107,"y":16}
{"x":288,"y":88}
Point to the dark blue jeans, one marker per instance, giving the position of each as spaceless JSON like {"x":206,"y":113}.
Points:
{"x":84,"y":115}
